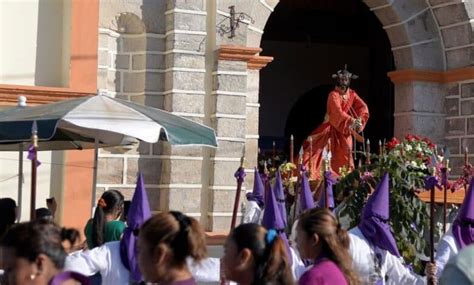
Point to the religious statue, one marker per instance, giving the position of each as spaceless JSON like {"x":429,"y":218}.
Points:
{"x":346,"y":117}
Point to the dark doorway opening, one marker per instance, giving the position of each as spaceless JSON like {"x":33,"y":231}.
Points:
{"x":311,"y":40}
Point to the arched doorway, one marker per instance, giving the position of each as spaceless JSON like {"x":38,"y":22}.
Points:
{"x":310,"y":40}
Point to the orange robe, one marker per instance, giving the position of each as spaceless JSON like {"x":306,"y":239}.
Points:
{"x":336,"y":124}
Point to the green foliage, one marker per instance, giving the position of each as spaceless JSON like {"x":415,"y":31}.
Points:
{"x":409,"y":216}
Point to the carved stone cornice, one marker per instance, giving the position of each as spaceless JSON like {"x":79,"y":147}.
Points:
{"x":37,"y":95}
{"x":410,"y":75}
{"x":246,"y":54}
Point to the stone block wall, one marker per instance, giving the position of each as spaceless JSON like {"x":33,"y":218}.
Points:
{"x":459,"y":122}
{"x":419,"y":109}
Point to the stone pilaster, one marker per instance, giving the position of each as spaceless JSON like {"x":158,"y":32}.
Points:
{"x":234,"y":115}
{"x":184,"y":95}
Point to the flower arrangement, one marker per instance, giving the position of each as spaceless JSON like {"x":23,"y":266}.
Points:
{"x":407,"y":162}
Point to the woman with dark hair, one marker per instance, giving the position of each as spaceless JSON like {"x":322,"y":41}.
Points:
{"x":165,"y":241}
{"x":72,"y":240}
{"x":8,"y":216}
{"x":34,"y":255}
{"x":321,"y":238}
{"x":105,"y":225}
{"x":255,"y":256}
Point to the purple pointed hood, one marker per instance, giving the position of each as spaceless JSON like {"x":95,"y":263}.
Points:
{"x":306,"y":197}
{"x":374,"y":223}
{"x":257,"y":194}
{"x":329,"y":180}
{"x":463,"y":225}
{"x":280,"y":197}
{"x":272,"y":219}
{"x":271,"y":215}
{"x":138,"y":213}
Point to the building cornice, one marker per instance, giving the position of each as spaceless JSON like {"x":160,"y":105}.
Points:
{"x":410,"y":75}
{"x":37,"y":95}
{"x":246,"y":54}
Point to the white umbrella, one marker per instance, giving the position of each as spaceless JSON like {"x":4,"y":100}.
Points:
{"x":97,"y":121}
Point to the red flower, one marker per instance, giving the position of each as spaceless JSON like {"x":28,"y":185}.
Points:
{"x":427,"y":160}
{"x":417,"y":137}
{"x":392,"y":143}
{"x":410,"y":138}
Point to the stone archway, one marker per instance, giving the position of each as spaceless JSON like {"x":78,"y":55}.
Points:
{"x":433,"y":51}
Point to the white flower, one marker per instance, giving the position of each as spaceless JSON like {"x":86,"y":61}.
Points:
{"x":422,"y":166}
{"x":418,"y":147}
{"x":408,"y":147}
{"x":413,"y":163}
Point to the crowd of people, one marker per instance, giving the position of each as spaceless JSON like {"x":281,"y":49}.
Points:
{"x":170,"y":247}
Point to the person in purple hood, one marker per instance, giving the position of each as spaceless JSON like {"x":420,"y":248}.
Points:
{"x":373,"y":248}
{"x":460,"y":235}
{"x":255,"y":201}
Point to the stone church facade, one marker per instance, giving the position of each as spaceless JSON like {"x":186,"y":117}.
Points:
{"x":173,"y":55}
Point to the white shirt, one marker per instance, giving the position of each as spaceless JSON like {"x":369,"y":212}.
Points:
{"x":106,"y":260}
{"x":252,"y":213}
{"x":447,"y":248}
{"x":363,"y":253}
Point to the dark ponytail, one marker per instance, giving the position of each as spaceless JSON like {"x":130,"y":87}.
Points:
{"x":182,"y":234}
{"x":335,"y":240}
{"x":269,"y":252}
{"x":110,"y":201}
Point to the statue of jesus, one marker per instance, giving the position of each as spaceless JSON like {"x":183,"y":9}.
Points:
{"x":346,"y":116}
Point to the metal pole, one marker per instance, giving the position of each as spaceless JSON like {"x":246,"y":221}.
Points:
{"x":20,"y":181}
{"x":240,"y":180}
{"x":292,"y":147}
{"x":432,"y":229}
{"x":34,"y":142}
{"x":444,"y":172}
{"x":94,"y":175}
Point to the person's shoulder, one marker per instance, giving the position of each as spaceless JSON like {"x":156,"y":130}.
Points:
{"x":356,"y":233}
{"x":116,"y":225}
{"x":325,"y":272}
{"x":112,"y":246}
{"x":460,"y":266}
{"x":357,"y":239}
{"x":333,"y":93}
{"x":88,"y":225}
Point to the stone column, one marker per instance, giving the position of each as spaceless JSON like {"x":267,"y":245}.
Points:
{"x":181,"y":177}
{"x":234,"y":115}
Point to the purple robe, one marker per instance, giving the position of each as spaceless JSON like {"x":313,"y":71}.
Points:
{"x":324,"y":272}
{"x":463,"y":225}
